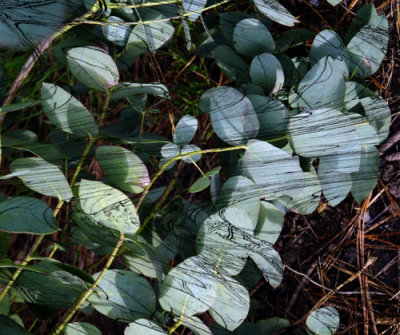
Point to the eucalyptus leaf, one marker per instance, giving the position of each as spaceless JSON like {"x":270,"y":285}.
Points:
{"x":196,"y":326}
{"x":251,"y":38}
{"x":366,"y":57}
{"x":191,"y":6}
{"x":143,"y":327}
{"x":187,"y":150}
{"x":270,"y":222}
{"x":108,"y":206}
{"x":27,"y":215}
{"x":123,"y":295}
{"x":323,"y":321}
{"x":149,"y":37}
{"x":240,"y":192}
{"x":66,"y":112}
{"x":93,"y":67}
{"x":266,"y":71}
{"x":127,"y":89}
{"x":276,"y":12}
{"x":190,"y":288}
{"x":232,"y":305}
{"x":275,"y":171}
{"x":185,"y":130}
{"x":123,"y":168}
{"x":231,"y":64}
{"x":199,"y":185}
{"x":81,"y":328}
{"x":117,"y":34}
{"x":323,"y":86}
{"x":320,"y":132}
{"x":232,"y":115}
{"x":42,"y":177}
{"x":329,"y":43}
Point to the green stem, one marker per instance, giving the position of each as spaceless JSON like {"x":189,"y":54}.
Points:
{"x":159,"y":203}
{"x":175,"y":326}
{"x":86,"y":294}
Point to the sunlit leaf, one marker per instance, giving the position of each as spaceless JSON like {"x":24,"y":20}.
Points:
{"x":93,"y":67}
{"x":108,"y":206}
{"x":123,"y":168}
{"x":42,"y":177}
{"x":66,"y":112}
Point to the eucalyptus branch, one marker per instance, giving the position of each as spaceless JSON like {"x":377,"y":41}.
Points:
{"x":177,"y":17}
{"x":173,"y":159}
{"x":86,"y":294}
{"x":27,"y":259}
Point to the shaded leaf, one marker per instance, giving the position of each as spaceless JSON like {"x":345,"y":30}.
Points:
{"x":123,"y":295}
{"x":27,"y":215}
{"x":251,"y":37}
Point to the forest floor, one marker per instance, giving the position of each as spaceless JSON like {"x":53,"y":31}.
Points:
{"x":349,"y":255}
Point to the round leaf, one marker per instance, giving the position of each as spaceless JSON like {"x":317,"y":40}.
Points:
{"x":81,"y":328}
{"x":42,"y":177}
{"x":275,"y":11}
{"x":270,"y":222}
{"x":266,"y":71}
{"x":66,"y":112}
{"x":123,"y":295}
{"x":232,"y":115}
{"x":108,"y":206}
{"x":323,"y":321}
{"x":27,"y":215}
{"x":251,"y":37}
{"x":232,"y":304}
{"x":93,"y":67}
{"x":143,"y":327}
{"x":185,"y":292}
{"x":185,"y":130}
{"x":123,"y":168}
{"x":275,"y":171}
{"x":320,"y":132}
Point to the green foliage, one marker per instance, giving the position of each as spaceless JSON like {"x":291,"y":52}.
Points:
{"x":287,"y":131}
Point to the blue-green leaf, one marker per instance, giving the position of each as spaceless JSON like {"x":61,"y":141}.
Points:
{"x":123,"y":168}
{"x":123,"y":295}
{"x":232,"y":115}
{"x":108,"y":206}
{"x":276,"y":12}
{"x":27,"y":215}
{"x":93,"y":67}
{"x":42,"y":177}
{"x":266,"y":71}
{"x":251,"y":38}
{"x":66,"y":112}
{"x":323,"y":321}
{"x":185,"y":130}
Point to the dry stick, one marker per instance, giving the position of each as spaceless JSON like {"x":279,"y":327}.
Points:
{"x":333,"y":291}
{"x":389,"y":143}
